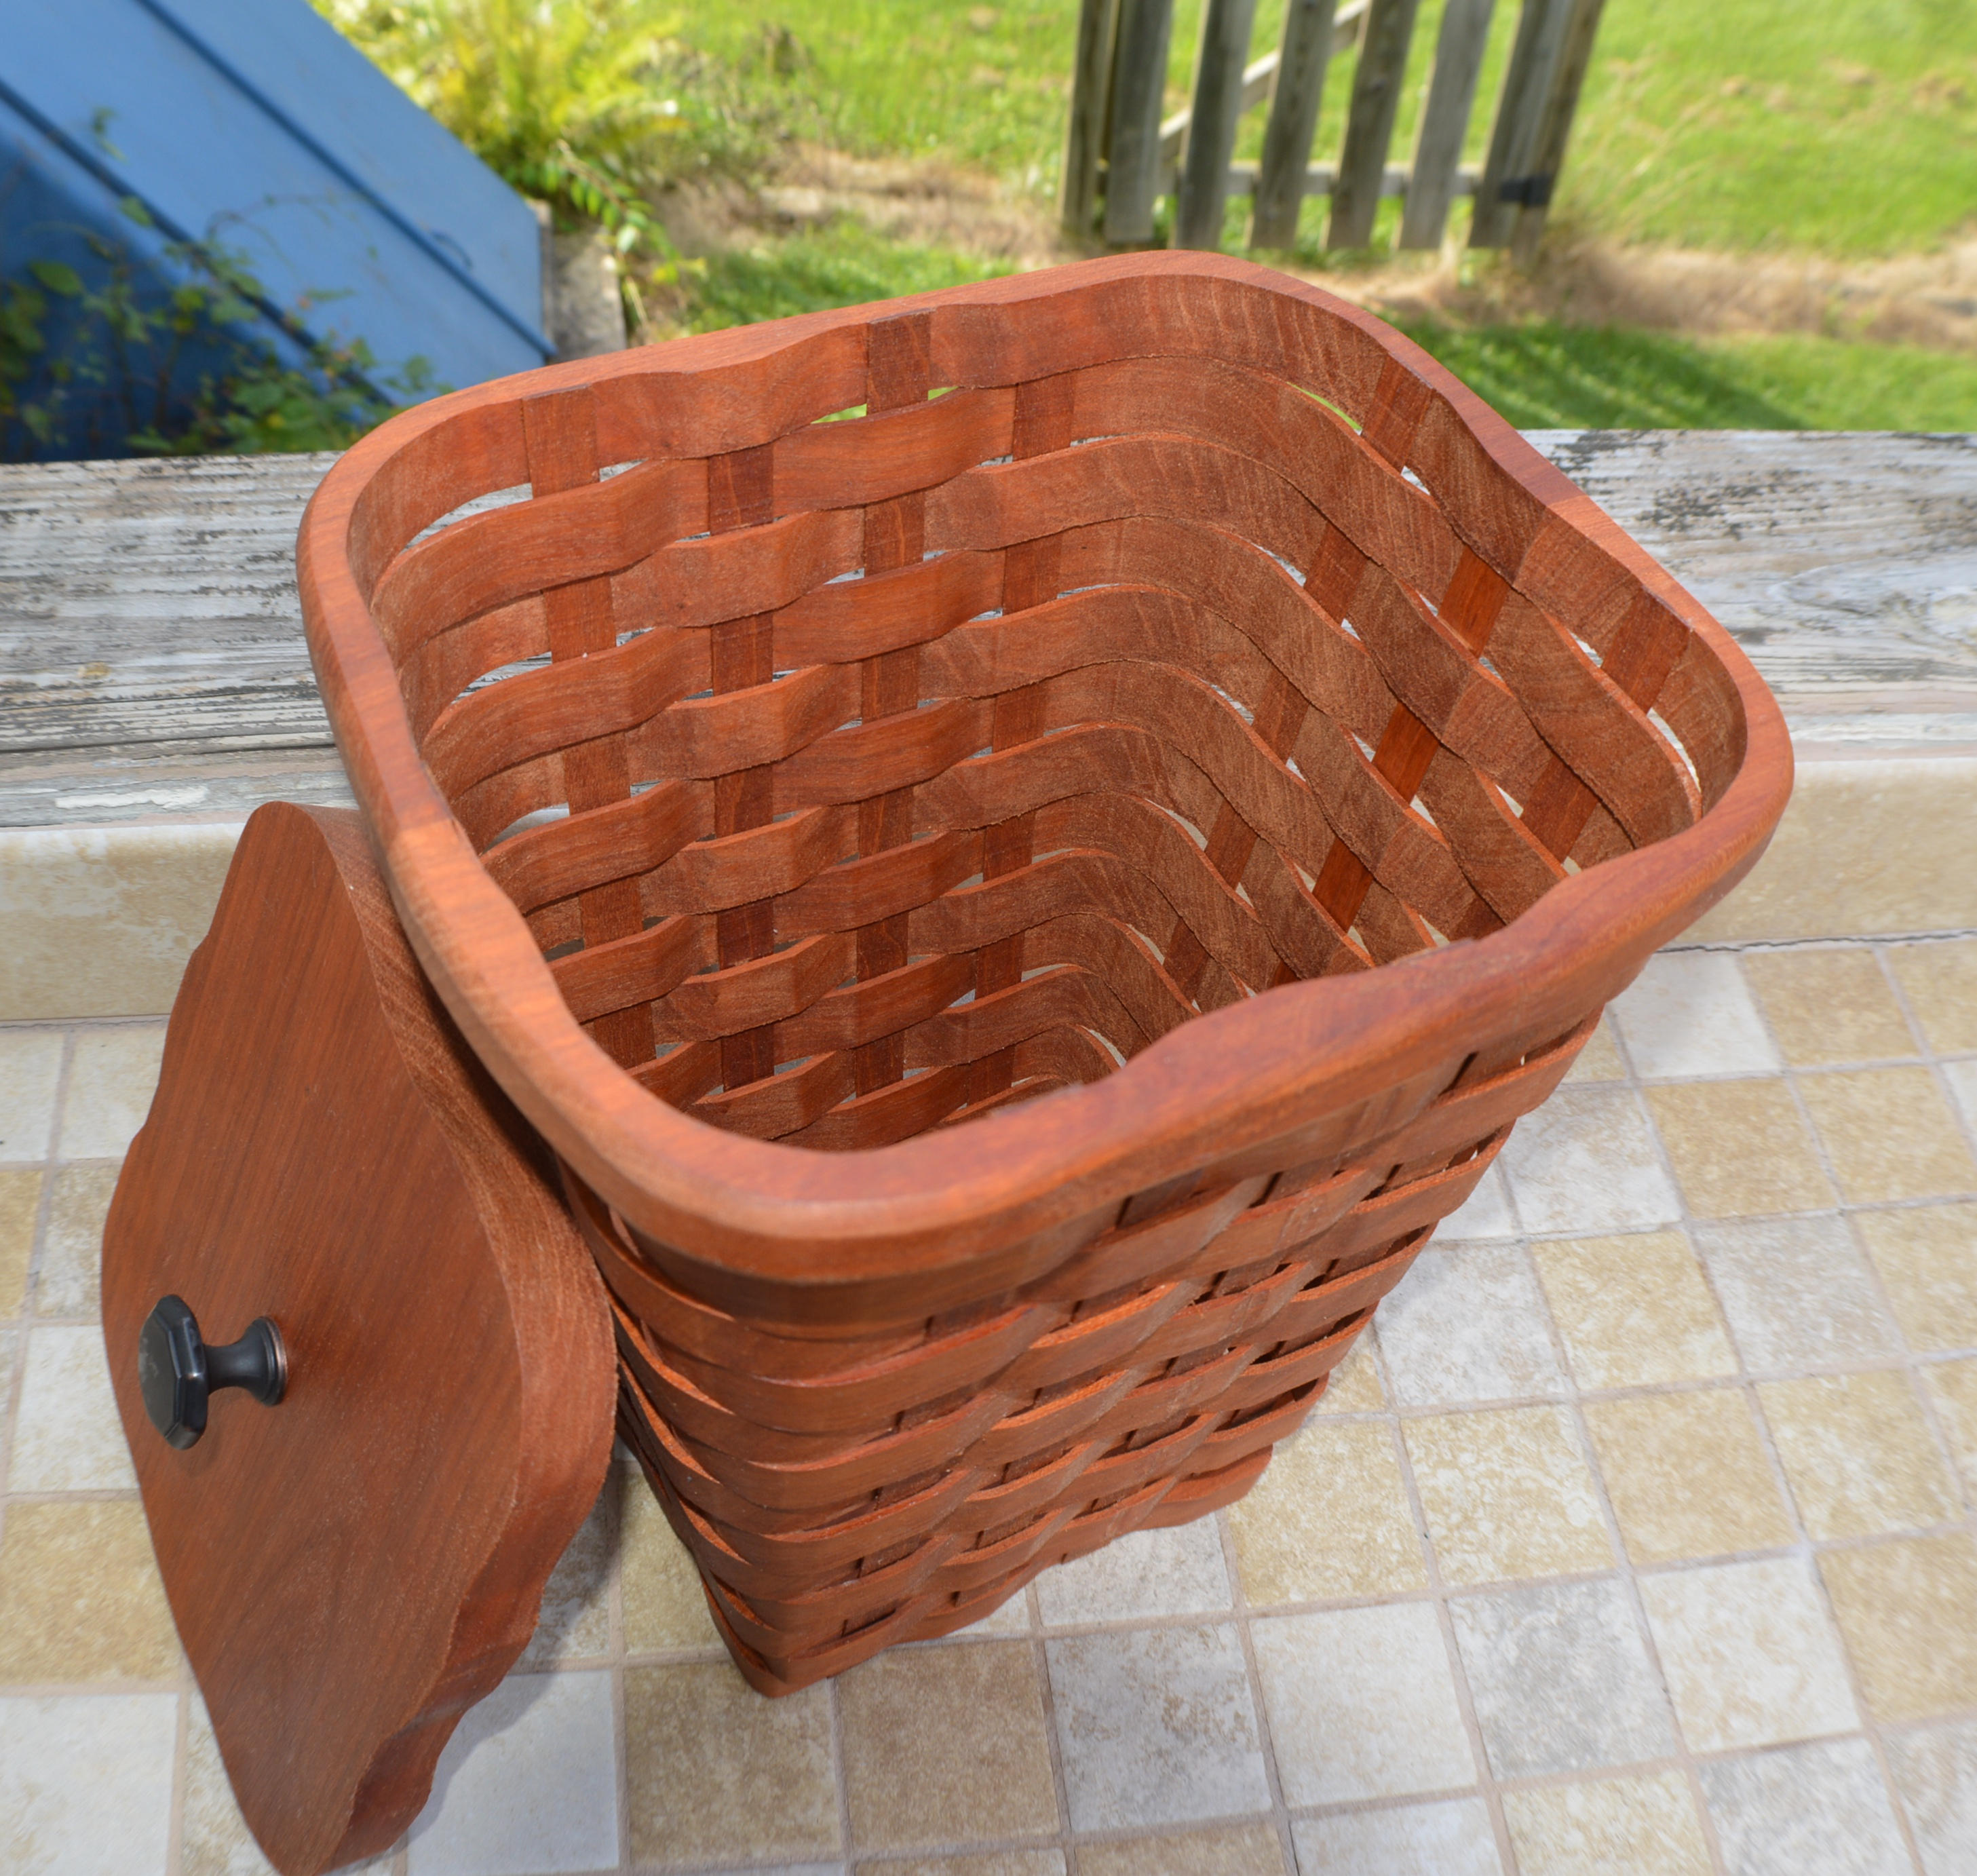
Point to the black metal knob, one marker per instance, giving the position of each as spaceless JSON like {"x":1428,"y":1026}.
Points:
{"x":178,"y":1373}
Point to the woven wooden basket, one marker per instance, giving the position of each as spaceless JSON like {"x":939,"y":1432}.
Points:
{"x":872,"y":724}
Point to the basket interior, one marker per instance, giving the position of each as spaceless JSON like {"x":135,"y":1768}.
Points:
{"x":919,"y":757}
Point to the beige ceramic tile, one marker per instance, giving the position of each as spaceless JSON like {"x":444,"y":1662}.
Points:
{"x":80,"y":1595}
{"x":575,"y":1619}
{"x":1560,"y":1678}
{"x":1936,"y":1769}
{"x":529,"y":1780}
{"x":1645,"y":1825}
{"x":1905,"y":1610}
{"x":20,"y":1205}
{"x":1599,"y":1060}
{"x":68,"y":1281}
{"x":1506,"y":1493}
{"x":1749,"y":1654}
{"x":1797,"y":1292}
{"x":67,"y":1435}
{"x":1586,"y":1163}
{"x":1826,"y":1007}
{"x":1329,"y":1517}
{"x":86,"y":1783}
{"x":1141,"y":1576}
{"x":1468,"y":1324}
{"x":99,"y":921}
{"x":1961,"y":1076}
{"x":1691,"y":1013}
{"x":1818,"y":1809}
{"x":993,"y":1863}
{"x":1927,"y":1257}
{"x":1362,"y":1704}
{"x":665,"y":1608}
{"x":1355,"y":1386}
{"x":1155,"y":1727}
{"x":1863,"y":847}
{"x":1739,"y":1148}
{"x":1940,"y":982}
{"x":1858,"y":1454}
{"x":945,"y":1745}
{"x":714,"y":1773}
{"x":1633,"y":1311}
{"x":29,"y":1073}
{"x":111,"y":1078}
{"x":1890,"y":1135}
{"x":1235,"y":1850}
{"x":1686,"y":1474}
{"x":1448,"y":1837}
{"x":1485,"y":1213}
{"x":1951,"y":1389}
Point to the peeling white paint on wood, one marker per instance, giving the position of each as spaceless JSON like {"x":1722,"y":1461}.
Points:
{"x":152,"y":665}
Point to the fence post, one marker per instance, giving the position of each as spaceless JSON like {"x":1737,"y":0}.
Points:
{"x":1293,"y":122}
{"x":1132,"y":158}
{"x":1458,"y":59}
{"x":1533,"y":58}
{"x":1376,"y":97}
{"x":1548,"y":149}
{"x":1091,"y":99}
{"x":1212,"y":121}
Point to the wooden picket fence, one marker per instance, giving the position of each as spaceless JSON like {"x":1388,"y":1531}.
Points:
{"x":1121,"y":159}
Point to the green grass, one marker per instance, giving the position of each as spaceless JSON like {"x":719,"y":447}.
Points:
{"x":1847,"y":129}
{"x":1542,"y":375}
{"x":844,"y":264}
{"x":1549,"y":376}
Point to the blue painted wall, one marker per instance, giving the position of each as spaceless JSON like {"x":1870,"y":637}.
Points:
{"x":254,"y":123}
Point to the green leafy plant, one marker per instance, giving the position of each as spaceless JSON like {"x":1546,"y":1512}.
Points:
{"x":590,"y":105}
{"x":179,"y":368}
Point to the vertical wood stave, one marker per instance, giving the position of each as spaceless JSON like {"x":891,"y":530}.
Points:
{"x":1548,"y":147}
{"x":1369,"y":127}
{"x":1133,"y":150}
{"x":1458,"y":63}
{"x":1533,"y":57}
{"x":1091,"y":107}
{"x":1211,"y":137}
{"x":1304,"y":55}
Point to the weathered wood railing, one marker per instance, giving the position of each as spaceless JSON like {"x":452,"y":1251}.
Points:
{"x":1121,"y":159}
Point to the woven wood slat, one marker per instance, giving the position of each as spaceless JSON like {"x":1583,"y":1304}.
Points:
{"x":1156,"y":686}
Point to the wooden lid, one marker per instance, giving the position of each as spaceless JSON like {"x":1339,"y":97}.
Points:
{"x":351,"y":1568}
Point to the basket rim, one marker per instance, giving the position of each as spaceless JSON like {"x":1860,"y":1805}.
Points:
{"x":761,"y":1212}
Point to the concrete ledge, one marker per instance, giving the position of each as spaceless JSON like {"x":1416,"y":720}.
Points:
{"x":99,"y":921}
{"x":1867,"y":849}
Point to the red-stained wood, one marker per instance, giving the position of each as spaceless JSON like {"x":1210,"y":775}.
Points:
{"x":1120,"y":831}
{"x":352,"y":1568}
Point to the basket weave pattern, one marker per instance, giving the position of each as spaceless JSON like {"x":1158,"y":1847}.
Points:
{"x":948,"y":703}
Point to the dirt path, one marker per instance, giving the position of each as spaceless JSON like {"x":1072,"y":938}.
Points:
{"x":1925,"y":299}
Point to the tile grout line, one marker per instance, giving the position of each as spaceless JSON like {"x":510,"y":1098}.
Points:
{"x":1616,"y":1539}
{"x":1925,"y":1395}
{"x":1870,"y":1724}
{"x":181,"y":1771}
{"x":16,"y":1380}
{"x":1063,"y":1840}
{"x":1239,"y":1604}
{"x":1486,"y":1787}
{"x":1682,"y":1758}
{"x":617,"y":1649}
